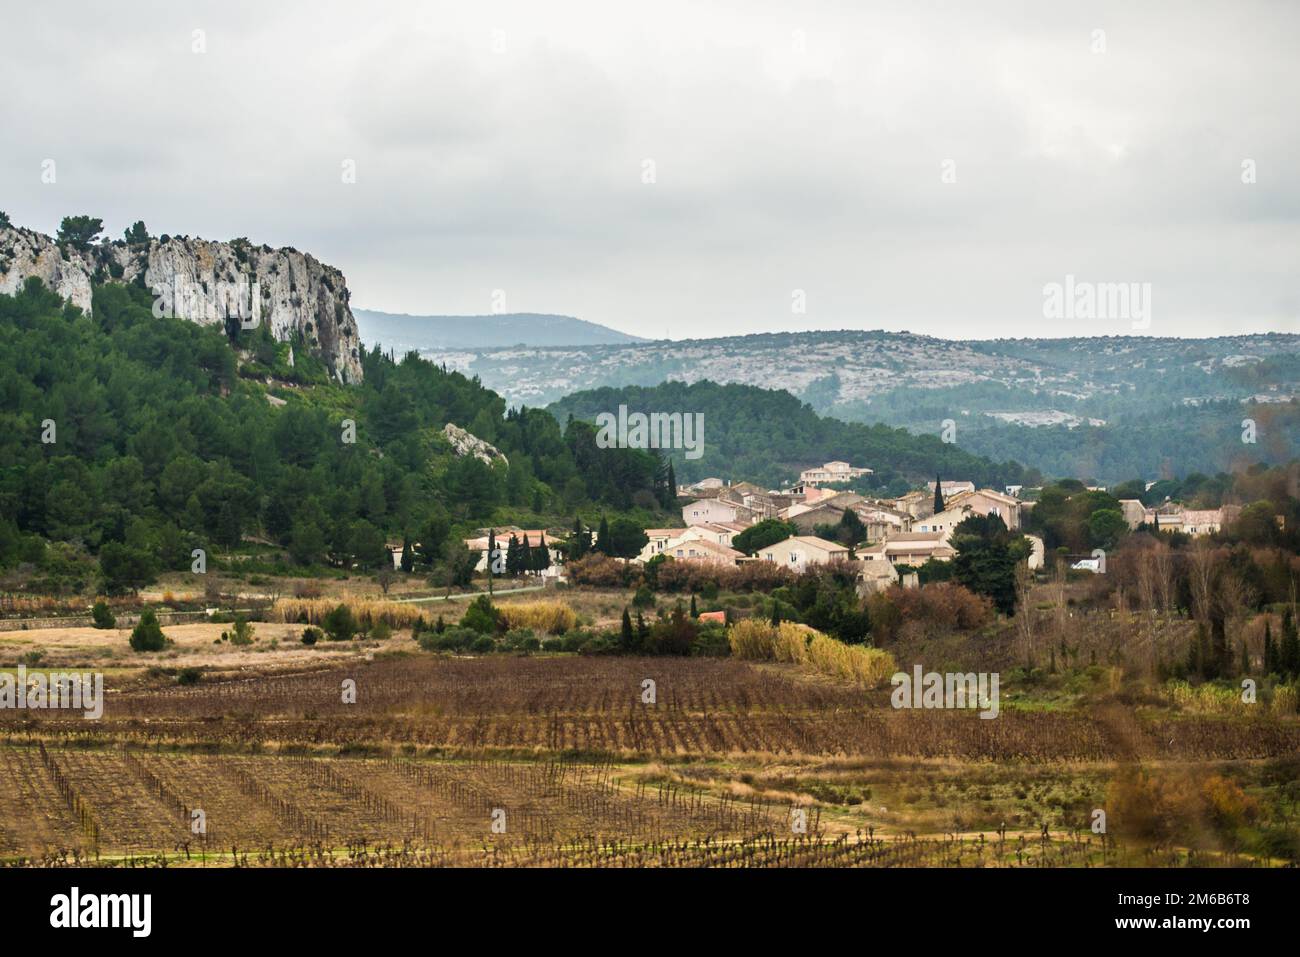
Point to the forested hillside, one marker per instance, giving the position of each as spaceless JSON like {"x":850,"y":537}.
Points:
{"x":139,"y":439}
{"x":768,"y":436}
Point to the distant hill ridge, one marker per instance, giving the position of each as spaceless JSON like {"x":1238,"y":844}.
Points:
{"x":401,"y":332}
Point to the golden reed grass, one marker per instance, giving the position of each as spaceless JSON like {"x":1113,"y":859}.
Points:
{"x":757,"y":640}
{"x":312,"y":611}
{"x":551,"y":617}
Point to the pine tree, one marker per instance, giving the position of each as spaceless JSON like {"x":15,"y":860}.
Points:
{"x":938,"y":495}
{"x":602,"y":536}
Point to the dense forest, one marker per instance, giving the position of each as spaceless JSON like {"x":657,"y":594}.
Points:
{"x":768,"y":436}
{"x":137,"y":439}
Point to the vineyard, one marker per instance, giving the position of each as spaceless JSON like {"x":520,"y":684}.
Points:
{"x":572,"y":761}
{"x":702,"y":707}
{"x":125,"y":808}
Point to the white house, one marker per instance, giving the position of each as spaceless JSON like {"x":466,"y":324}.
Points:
{"x":800,"y":551}
{"x":706,"y":510}
{"x":909,"y":548}
{"x":832,"y":472}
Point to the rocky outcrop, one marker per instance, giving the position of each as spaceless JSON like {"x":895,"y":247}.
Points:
{"x":466,"y":443}
{"x":205,"y":282}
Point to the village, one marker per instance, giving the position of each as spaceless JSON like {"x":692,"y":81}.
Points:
{"x":886,"y":539}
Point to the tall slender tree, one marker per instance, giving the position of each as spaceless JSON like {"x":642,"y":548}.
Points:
{"x":938,"y":495}
{"x":491,"y":555}
{"x":541,"y":558}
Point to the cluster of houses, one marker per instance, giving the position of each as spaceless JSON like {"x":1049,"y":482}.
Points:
{"x":904,"y":531}
{"x":1173,"y":517}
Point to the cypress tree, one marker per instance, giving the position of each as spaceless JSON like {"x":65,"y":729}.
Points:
{"x":1289,"y":653}
{"x":672,"y":486}
{"x":694,"y":611}
{"x":525,"y":556}
{"x":938,"y":495}
{"x":541,"y":555}
{"x":491,"y":556}
{"x":602,"y":536}
{"x":512,"y":557}
{"x":627,"y":638}
{"x":580,"y":543}
{"x":408,"y":556}
{"x":1270,"y":653}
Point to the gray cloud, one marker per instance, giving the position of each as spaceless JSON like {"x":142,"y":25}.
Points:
{"x":794,"y":149}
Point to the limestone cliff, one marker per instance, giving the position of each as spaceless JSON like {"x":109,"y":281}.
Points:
{"x":297,"y":294}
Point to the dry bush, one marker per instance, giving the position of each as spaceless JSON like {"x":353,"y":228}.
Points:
{"x":307,"y":589}
{"x":551,"y":617}
{"x":939,"y":606}
{"x":1174,"y":807}
{"x":601,"y":571}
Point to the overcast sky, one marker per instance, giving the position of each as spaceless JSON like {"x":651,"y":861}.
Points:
{"x":795,"y":146}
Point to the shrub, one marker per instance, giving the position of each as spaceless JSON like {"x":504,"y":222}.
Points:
{"x":242,"y":633}
{"x":454,"y":638}
{"x":147,"y":635}
{"x":644,"y":597}
{"x":482,"y":645}
{"x":674,"y":635}
{"x":711,"y":642}
{"x":311,"y":634}
{"x":189,"y":676}
{"x":482,"y":616}
{"x":380,"y":631}
{"x":340,"y":624}
{"x":102,"y":615}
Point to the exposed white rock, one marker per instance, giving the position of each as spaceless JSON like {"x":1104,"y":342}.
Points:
{"x":465,"y":443}
{"x":297,"y":293}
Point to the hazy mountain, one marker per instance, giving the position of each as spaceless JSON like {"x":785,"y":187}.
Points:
{"x":402,"y":332}
{"x":1108,"y":408}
